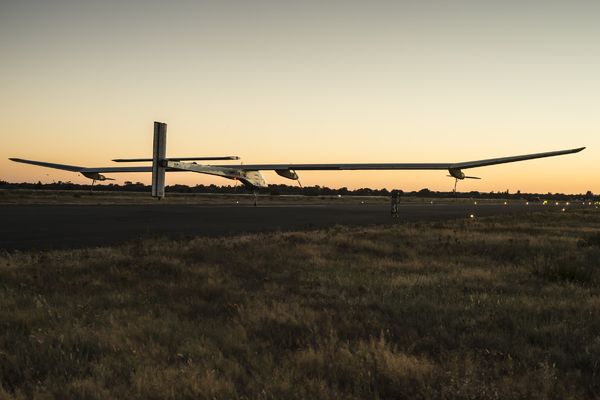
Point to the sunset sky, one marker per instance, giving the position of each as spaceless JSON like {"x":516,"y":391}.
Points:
{"x":82,"y":82}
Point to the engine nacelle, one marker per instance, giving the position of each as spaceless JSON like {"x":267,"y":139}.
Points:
{"x":253,"y":180}
{"x":456,"y":173}
{"x":286,"y":173}
{"x":95,"y":176}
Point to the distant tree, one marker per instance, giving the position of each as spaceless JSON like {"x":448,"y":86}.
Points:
{"x":327,"y":191}
{"x":39,"y":185}
{"x":311,"y":191}
{"x":363,"y":192}
{"x":127,"y":183}
{"x":589,"y":194}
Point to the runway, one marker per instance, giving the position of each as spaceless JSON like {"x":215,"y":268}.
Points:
{"x":29,"y":227}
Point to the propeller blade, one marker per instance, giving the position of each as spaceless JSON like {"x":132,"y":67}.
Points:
{"x":466,"y":177}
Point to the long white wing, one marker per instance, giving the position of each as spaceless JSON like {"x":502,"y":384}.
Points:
{"x":503,"y":160}
{"x":317,"y":167}
{"x":392,"y":166}
{"x":74,"y":168}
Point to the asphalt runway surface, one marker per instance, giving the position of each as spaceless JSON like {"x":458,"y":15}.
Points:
{"x":31,"y":227}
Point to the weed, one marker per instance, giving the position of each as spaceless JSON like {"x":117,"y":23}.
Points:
{"x":591,"y":240}
{"x":570,"y":270}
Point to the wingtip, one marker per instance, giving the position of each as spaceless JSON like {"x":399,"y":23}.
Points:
{"x":578,"y":149}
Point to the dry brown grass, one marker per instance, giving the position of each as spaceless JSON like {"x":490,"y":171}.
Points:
{"x":502,"y":307}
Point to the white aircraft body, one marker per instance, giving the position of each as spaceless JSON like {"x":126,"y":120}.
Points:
{"x":250,"y":174}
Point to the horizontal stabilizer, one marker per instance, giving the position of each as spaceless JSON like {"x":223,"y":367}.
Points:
{"x":178,"y":159}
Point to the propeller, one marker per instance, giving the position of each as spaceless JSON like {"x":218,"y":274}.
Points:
{"x":456,"y":180}
{"x":466,"y":177}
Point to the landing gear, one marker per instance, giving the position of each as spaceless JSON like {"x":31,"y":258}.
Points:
{"x":92,"y":188}
{"x":255,"y":197}
{"x":455,"y":182}
{"x":299,"y":183}
{"x":458,"y":174}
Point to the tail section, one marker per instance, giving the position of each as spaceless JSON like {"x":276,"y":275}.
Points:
{"x":158,"y":160}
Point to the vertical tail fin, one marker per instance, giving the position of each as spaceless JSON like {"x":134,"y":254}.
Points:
{"x":158,"y":160}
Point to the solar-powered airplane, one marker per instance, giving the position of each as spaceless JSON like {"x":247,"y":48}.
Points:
{"x":250,"y":175}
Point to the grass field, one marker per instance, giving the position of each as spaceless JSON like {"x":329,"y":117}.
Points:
{"x":501,"y":307}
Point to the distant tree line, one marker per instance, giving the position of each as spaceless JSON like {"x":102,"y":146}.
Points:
{"x":277,"y":190}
